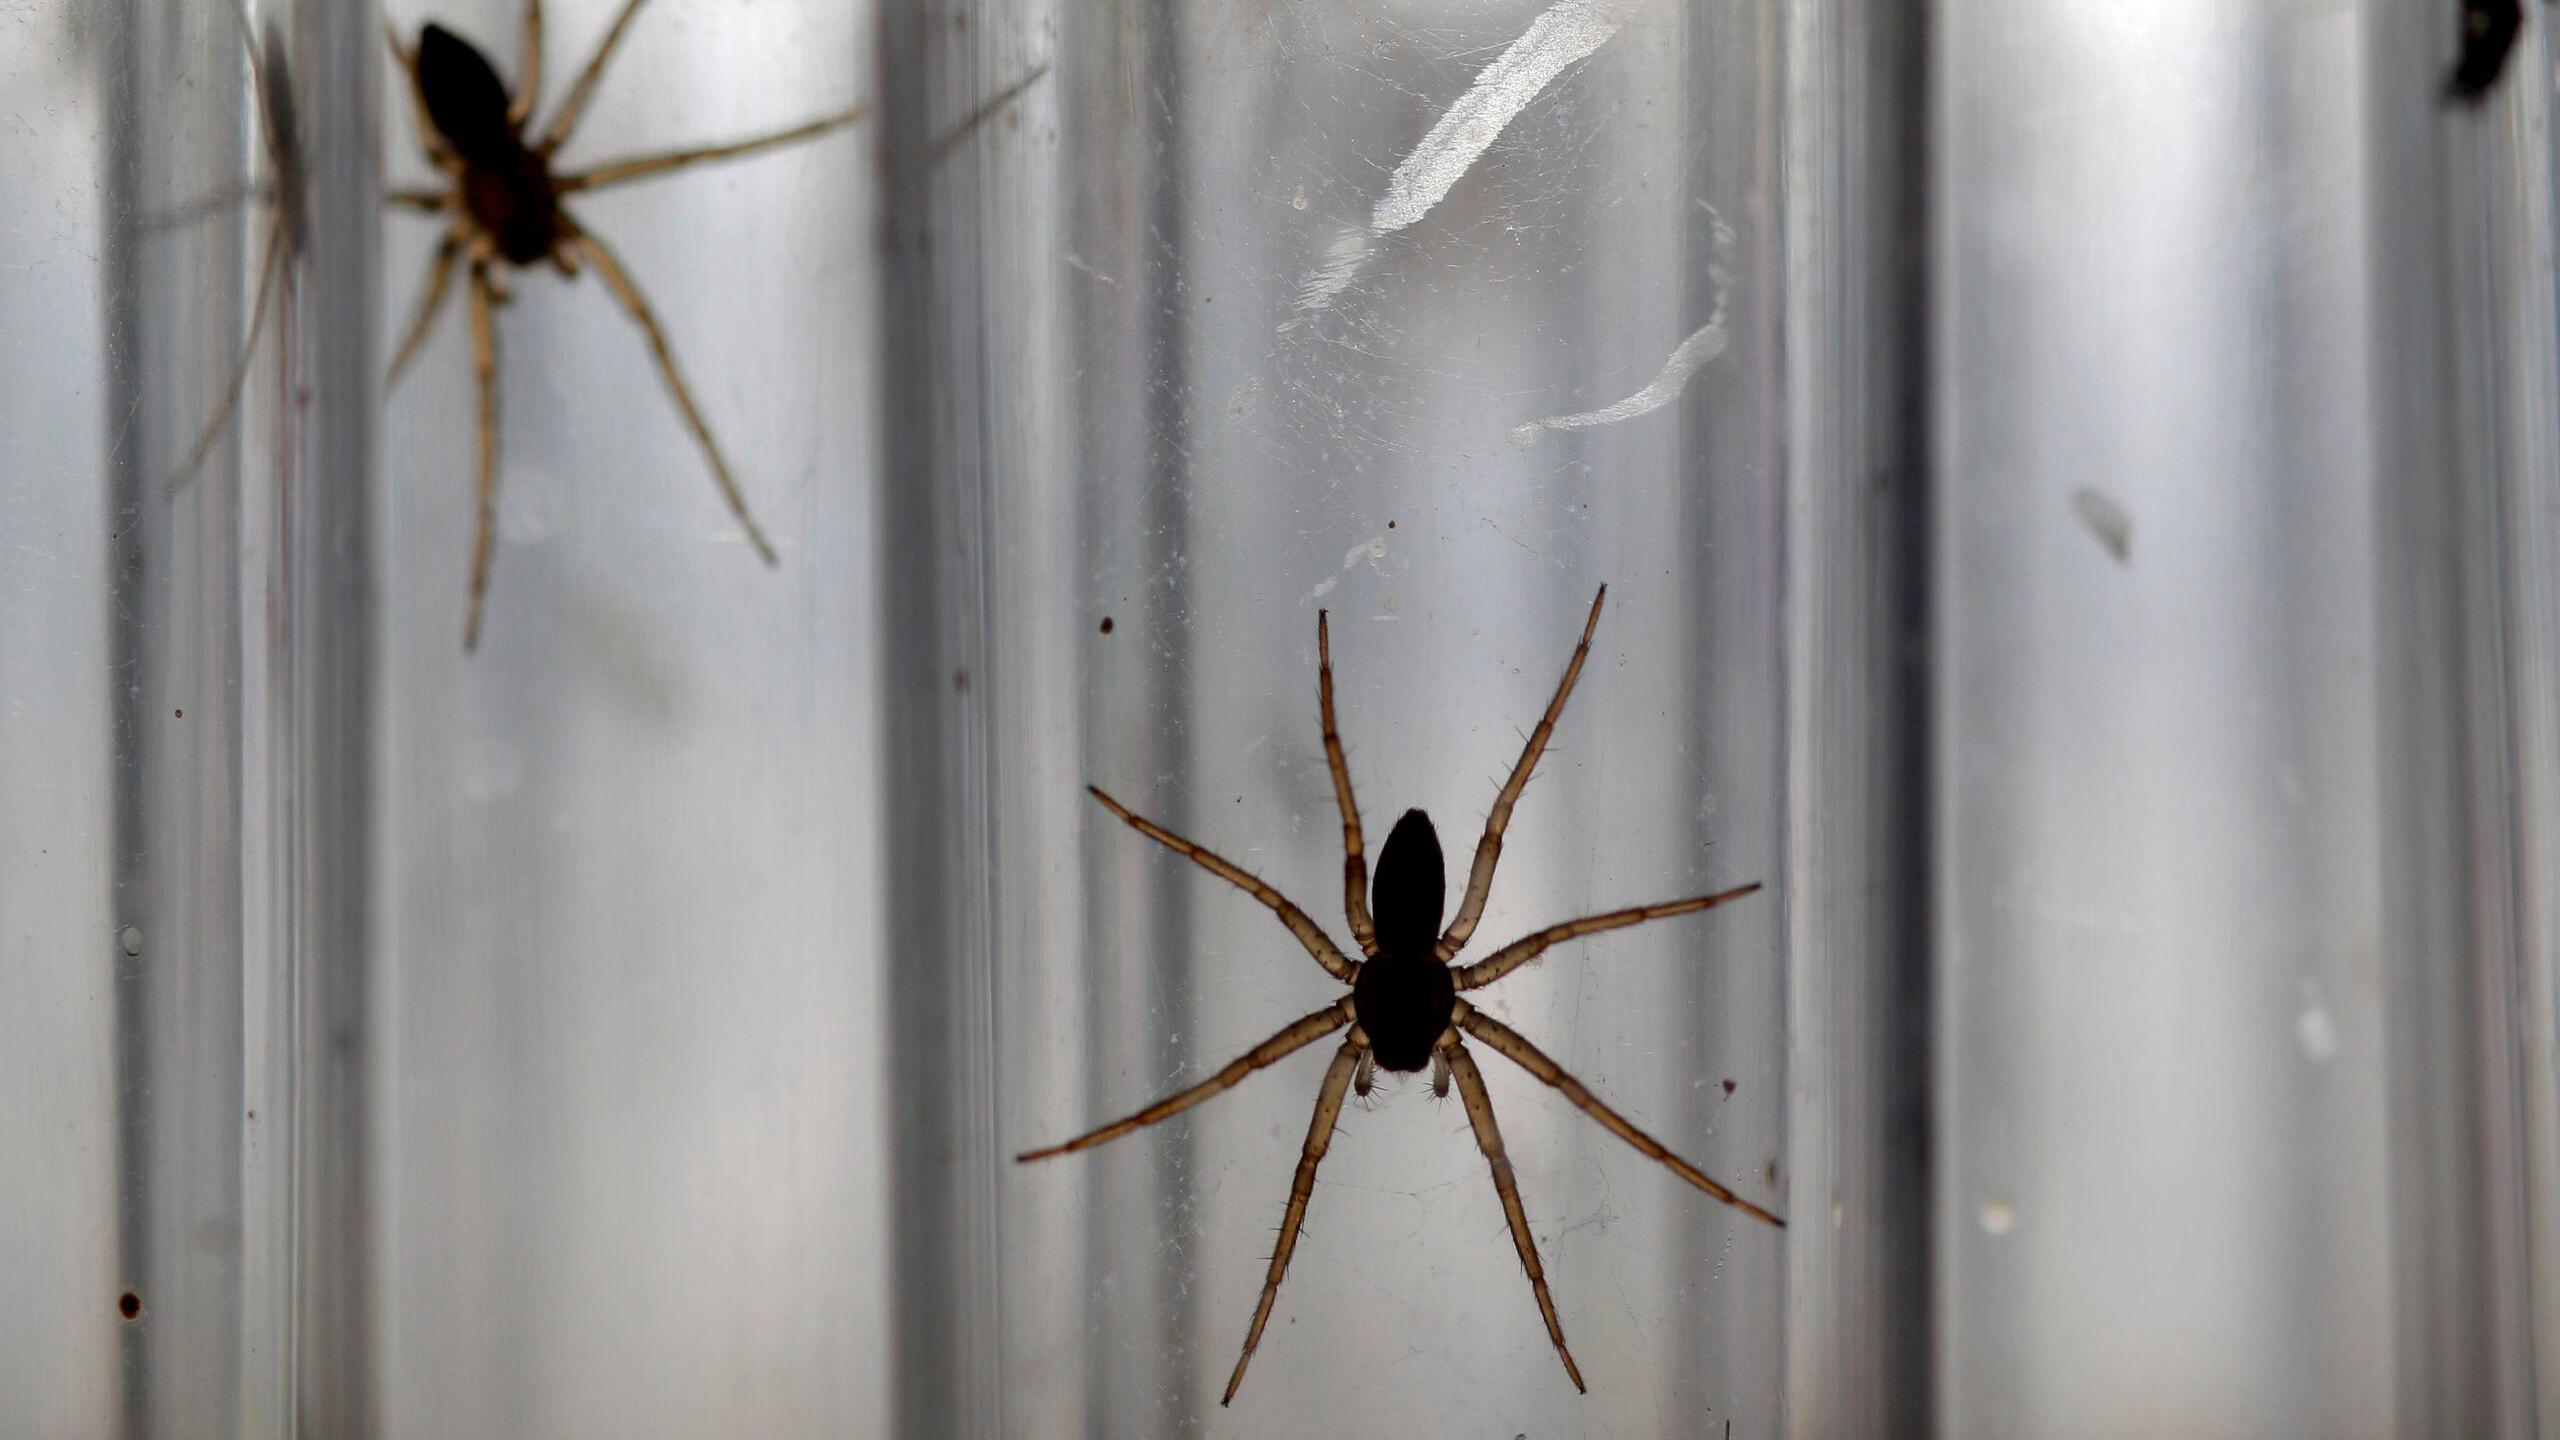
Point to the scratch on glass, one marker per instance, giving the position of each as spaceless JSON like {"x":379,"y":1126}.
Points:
{"x":1562,"y":35}
{"x":1704,"y":344}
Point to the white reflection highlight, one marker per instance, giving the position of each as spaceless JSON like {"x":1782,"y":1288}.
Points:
{"x":1564,"y":33}
{"x":1704,"y":344}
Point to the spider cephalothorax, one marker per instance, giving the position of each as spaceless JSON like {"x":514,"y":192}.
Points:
{"x":1403,"y":997}
{"x":505,"y":203}
{"x":1405,"y":1009}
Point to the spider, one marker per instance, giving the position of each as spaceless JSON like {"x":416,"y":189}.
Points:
{"x":2489,"y":30}
{"x":507,"y":207}
{"x":1404,"y":1010}
{"x":288,"y":232}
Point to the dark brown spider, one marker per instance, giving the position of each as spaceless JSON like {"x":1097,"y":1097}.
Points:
{"x":2489,"y":30}
{"x":506,"y":203}
{"x":1403,"y":1011}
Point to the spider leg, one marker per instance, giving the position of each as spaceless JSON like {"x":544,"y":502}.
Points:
{"x":1309,"y":934}
{"x":1365,"y":1079}
{"x":994,"y":106}
{"x":484,"y":361}
{"x":430,"y":139}
{"x":1520,"y":952}
{"x":642,"y":166}
{"x":1355,"y":863}
{"x":1296,"y":1036}
{"x":430,"y":302}
{"x":1354,"y":1051}
{"x":619,"y":282}
{"x":425,"y":202}
{"x":529,"y":87}
{"x":1489,"y":849}
{"x":1439,"y":1075}
{"x":1516,"y":1047}
{"x":268,"y":269}
{"x":1489,"y":1139}
{"x":584,"y":87}
{"x":214,"y":204}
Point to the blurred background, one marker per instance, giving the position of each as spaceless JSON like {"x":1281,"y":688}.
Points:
{"x":2079,"y":490}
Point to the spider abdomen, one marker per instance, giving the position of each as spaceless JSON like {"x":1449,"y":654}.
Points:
{"x":516,"y":204}
{"x":464,"y":97}
{"x":1404,"y":1004}
{"x":507,"y":183}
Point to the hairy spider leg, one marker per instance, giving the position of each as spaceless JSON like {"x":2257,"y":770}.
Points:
{"x":1479,"y":1105}
{"x":1489,"y":849}
{"x":624,"y":290}
{"x":430,"y":300}
{"x":425,"y":202}
{"x":1520,"y":952}
{"x":1293,"y":1037}
{"x":283,"y":127}
{"x":994,"y":106}
{"x":1312,"y":936}
{"x":529,"y":86}
{"x":1302,"y":1188}
{"x":1515,"y":1047}
{"x":484,"y":363}
{"x":268,"y":269}
{"x":641,"y":167}
{"x":1355,"y":861}
{"x":575,"y":105}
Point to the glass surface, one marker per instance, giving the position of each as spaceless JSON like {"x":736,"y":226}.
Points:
{"x":628,"y":1097}
{"x":2076,"y":492}
{"x":1252,"y":360}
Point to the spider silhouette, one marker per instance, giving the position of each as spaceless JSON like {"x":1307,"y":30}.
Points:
{"x":2489,"y":30}
{"x":288,"y":230}
{"x":1404,"y":1010}
{"x":508,"y":208}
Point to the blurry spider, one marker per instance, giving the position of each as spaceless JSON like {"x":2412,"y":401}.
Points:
{"x":1403,"y":1011}
{"x":288,"y":232}
{"x":506,"y":204}
{"x":2489,"y":30}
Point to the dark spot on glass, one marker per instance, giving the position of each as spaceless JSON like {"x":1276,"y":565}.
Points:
{"x":181,"y":714}
{"x":1391,"y":524}
{"x":129,"y":1305}
{"x":1106,"y":624}
{"x":960,"y":681}
{"x":1771,"y":1170}
{"x":1728,"y":1087}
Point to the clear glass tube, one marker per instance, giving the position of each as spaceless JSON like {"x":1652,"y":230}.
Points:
{"x":1222,"y":386}
{"x":2076,"y":496}
{"x":2243,"y":697}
